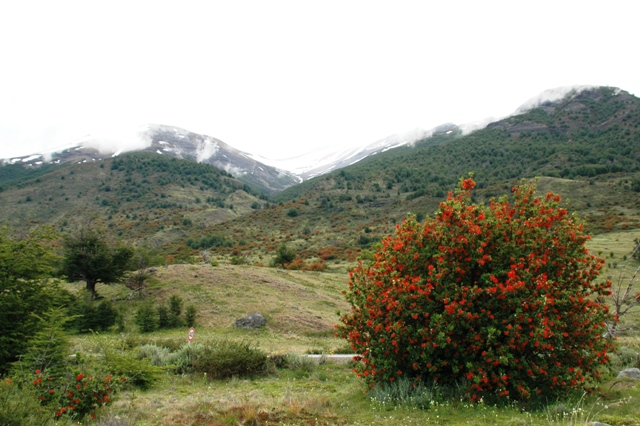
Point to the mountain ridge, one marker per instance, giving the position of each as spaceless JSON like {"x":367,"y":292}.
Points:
{"x":585,"y":147}
{"x":275,"y":175}
{"x":179,"y":143}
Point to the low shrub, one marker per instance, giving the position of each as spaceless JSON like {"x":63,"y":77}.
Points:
{"x":278,"y":359}
{"x":183,"y":359}
{"x":75,"y":395}
{"x":172,"y":344}
{"x":625,"y":357}
{"x":139,"y":372}
{"x":296,"y":264}
{"x":156,"y":355}
{"x":227,"y":358}
{"x":19,"y":405}
{"x":318,"y":266}
{"x":301,"y":364}
{"x":180,"y":361}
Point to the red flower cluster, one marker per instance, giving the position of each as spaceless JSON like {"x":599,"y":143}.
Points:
{"x":75,"y":398}
{"x":496,"y":296}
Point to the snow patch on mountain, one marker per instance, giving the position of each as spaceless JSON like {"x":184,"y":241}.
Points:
{"x":332,"y":157}
{"x":205,"y":150}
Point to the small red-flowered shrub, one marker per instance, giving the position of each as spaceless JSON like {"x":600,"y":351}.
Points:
{"x":297,"y":263}
{"x":330,"y":253}
{"x":75,"y":397}
{"x":319,"y":265}
{"x":495,"y":298}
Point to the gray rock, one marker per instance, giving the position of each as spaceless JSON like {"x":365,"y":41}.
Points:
{"x":632,"y":373}
{"x":254,"y":320}
{"x":599,"y":424}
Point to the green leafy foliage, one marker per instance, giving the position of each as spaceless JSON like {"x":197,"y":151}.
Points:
{"x":163,"y":317}
{"x":404,"y":392}
{"x":89,"y":315}
{"x":88,"y":257}
{"x":75,"y":396}
{"x":219,"y":359}
{"x":26,"y":294}
{"x":147,"y":318}
{"x":31,"y":258}
{"x":139,"y":372}
{"x":190,"y":315}
{"x":175,"y":309}
{"x":19,"y":405}
{"x":285,"y":255}
{"x":48,"y":349}
{"x":180,"y":361}
{"x":498,"y":299}
{"x":227,"y":358}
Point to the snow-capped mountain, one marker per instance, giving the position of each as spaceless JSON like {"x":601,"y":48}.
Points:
{"x":331,"y":158}
{"x":272,"y":174}
{"x":174,"y":142}
{"x":180,"y":143}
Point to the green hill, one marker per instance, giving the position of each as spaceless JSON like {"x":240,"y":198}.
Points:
{"x":137,"y":197}
{"x":585,"y":147}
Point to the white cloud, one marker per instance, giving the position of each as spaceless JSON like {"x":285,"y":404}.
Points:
{"x":549,"y":95}
{"x":114,"y":139}
{"x":205,"y":150}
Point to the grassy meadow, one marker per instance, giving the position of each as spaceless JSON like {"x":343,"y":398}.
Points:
{"x":300,"y":307}
{"x":193,"y":216}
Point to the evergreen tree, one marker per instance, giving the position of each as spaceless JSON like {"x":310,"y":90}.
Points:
{"x":47,"y":350}
{"x":190,"y":316}
{"x":25,"y":291}
{"x":175,"y":308}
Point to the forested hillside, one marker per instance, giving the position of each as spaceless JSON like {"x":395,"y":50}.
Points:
{"x":585,"y":147}
{"x":138,"y":196}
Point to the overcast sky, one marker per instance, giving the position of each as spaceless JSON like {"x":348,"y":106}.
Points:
{"x":278,"y":78}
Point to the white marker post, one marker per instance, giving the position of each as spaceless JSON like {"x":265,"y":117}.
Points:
{"x":192,"y":332}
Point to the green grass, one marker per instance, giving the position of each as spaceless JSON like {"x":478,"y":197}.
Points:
{"x":329,"y":394}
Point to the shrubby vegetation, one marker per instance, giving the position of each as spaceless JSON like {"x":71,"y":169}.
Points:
{"x":27,"y":291}
{"x":497,"y":299}
{"x":150,"y":318}
{"x":285,"y":255}
{"x":512,"y":346}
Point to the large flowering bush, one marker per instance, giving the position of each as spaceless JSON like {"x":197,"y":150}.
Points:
{"x":501,"y":299}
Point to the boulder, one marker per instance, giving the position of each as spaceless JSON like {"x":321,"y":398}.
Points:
{"x":632,"y":373}
{"x":254,"y":320}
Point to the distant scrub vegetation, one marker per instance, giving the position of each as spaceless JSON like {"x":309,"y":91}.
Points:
{"x":184,"y":208}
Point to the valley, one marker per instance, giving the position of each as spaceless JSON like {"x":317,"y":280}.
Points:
{"x":213,"y":225}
